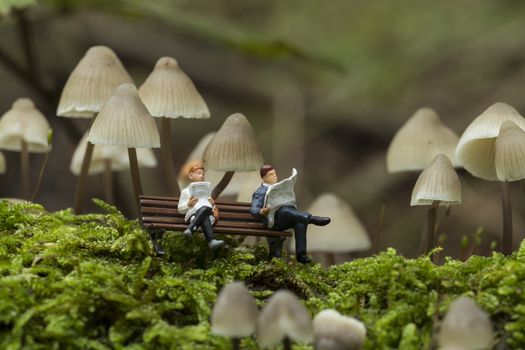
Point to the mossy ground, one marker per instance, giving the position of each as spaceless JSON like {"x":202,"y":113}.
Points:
{"x":92,"y":282}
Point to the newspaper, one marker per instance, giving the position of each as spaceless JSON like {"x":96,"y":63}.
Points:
{"x":201,"y":190}
{"x":280,"y":194}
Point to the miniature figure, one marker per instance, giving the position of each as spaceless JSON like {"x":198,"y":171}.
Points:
{"x":196,"y":202}
{"x":279,"y":212}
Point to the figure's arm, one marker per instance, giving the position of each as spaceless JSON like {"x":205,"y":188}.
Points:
{"x":183,"y":201}
{"x":257,"y":209}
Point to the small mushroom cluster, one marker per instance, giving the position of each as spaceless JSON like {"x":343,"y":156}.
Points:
{"x":282,"y":320}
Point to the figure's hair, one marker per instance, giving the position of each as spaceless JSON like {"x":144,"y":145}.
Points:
{"x":265,"y":169}
{"x":194,"y":167}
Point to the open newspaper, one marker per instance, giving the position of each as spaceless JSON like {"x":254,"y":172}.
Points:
{"x":201,"y":190}
{"x":279,"y":195}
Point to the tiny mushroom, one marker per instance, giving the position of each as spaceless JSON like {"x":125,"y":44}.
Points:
{"x":284,"y":319}
{"x":125,"y":121}
{"x":476,"y":152}
{"x":437,"y":185}
{"x":235,"y":313}
{"x":333,"y":331}
{"x":24,"y":129}
{"x":234,"y":148}
{"x":169,"y":93}
{"x":344,"y":234}
{"x":418,"y":141}
{"x":88,"y":87}
{"x":465,"y":327}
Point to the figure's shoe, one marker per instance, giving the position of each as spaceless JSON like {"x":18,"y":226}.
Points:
{"x":187,"y":233}
{"x":319,"y":220}
{"x":302,"y":258}
{"x":274,"y":254}
{"x":215,"y":243}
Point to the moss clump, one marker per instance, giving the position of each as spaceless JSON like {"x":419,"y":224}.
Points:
{"x":91,"y":282}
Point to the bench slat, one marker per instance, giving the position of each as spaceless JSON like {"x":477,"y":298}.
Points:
{"x":161,"y":212}
{"x":228,"y":230}
{"x":221,"y":223}
{"x":176,"y":199}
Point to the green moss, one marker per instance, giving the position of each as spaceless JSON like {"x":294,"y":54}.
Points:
{"x":91,"y":282}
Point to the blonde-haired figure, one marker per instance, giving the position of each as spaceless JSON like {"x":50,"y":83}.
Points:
{"x":198,"y":213}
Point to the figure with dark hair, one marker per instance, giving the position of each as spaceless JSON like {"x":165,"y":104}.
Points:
{"x":198,"y":213}
{"x":285,"y":217}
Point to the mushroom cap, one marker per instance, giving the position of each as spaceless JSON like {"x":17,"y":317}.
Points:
{"x":235,"y":312}
{"x":465,"y":326}
{"x":234,"y":147}
{"x":91,"y":83}
{"x":125,"y":121}
{"x":333,"y":331}
{"x":24,"y":122}
{"x":2,"y":163}
{"x":510,"y":152}
{"x":419,"y":140}
{"x":283,"y":316}
{"x":117,"y":154}
{"x":476,"y":147}
{"x":169,"y":92}
{"x":438,"y":182}
{"x":345,"y":232}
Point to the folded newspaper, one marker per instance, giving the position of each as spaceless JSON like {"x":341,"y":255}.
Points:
{"x":279,"y":195}
{"x":201,"y":190}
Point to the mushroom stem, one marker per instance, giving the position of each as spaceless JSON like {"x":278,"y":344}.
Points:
{"x":167,"y":157}
{"x":24,"y":169}
{"x":431,"y":225}
{"x":81,"y":181}
{"x":381,"y":228}
{"x":217,"y":190}
{"x":40,"y":176}
{"x":236,"y":344}
{"x":108,"y":182}
{"x":507,"y":218}
{"x":330,"y":259}
{"x":287,"y":344}
{"x":135,"y":178}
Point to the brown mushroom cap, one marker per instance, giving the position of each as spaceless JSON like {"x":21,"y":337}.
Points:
{"x":510,"y":152}
{"x":438,"y":182}
{"x":125,"y":121}
{"x":466,"y":326}
{"x":419,"y":140}
{"x":91,"y":83}
{"x":235,"y":312}
{"x":234,"y":147}
{"x":283,"y":316}
{"x":169,"y":92}
{"x":24,"y":122}
{"x":333,"y":331}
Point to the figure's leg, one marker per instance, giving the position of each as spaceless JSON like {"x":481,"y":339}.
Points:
{"x":300,"y":242}
{"x":197,"y":220}
{"x":155,"y":235}
{"x":207,"y":229}
{"x":275,"y":247}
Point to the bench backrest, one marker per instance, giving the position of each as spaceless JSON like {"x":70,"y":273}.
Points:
{"x":234,"y":217}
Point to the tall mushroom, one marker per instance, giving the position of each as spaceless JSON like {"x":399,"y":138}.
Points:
{"x":235,"y":313}
{"x":234,"y":148}
{"x":344,"y":234}
{"x":169,"y":93}
{"x":476,"y":153}
{"x":125,"y":121}
{"x":437,"y":185}
{"x":2,"y":163}
{"x":284,"y":319}
{"x":333,"y":331}
{"x":107,"y":159}
{"x":88,"y":87}
{"x":24,"y":129}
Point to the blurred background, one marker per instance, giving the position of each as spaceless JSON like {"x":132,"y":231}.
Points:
{"x":325,"y":84}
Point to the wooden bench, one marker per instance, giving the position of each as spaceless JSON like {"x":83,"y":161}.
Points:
{"x":160,"y":213}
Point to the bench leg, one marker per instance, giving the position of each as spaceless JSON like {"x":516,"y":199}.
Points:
{"x":156,"y":235}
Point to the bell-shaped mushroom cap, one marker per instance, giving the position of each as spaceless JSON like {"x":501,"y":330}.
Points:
{"x":24,"y":122}
{"x":344,"y":234}
{"x":333,"y":331}
{"x":125,"y":121}
{"x":169,"y":92}
{"x":283,"y":316}
{"x":476,"y":147}
{"x":2,"y":163}
{"x":465,"y":326}
{"x":118,"y":156}
{"x":438,"y":182}
{"x":510,"y":152}
{"x":235,"y":312}
{"x":91,"y":83}
{"x":234,"y":147}
{"x":418,"y":141}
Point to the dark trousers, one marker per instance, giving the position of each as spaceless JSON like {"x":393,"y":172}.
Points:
{"x":202,"y":219}
{"x":285,"y":218}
